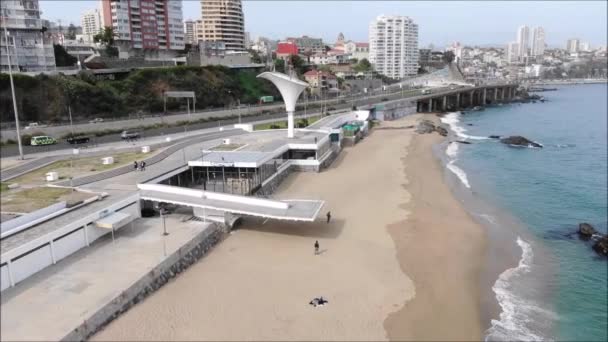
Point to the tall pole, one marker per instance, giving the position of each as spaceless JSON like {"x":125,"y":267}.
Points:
{"x":70,"y":114}
{"x":10,"y":75}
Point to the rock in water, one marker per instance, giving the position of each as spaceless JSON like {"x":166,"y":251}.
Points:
{"x":425,"y":126}
{"x":601,"y":246}
{"x":442,"y":131}
{"x":494,"y":137}
{"x":586,"y":231}
{"x":517,"y":140}
{"x":463,"y":142}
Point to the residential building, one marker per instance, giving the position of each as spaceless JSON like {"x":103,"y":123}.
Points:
{"x":584,"y":46}
{"x":223,"y":21}
{"x":91,"y":22}
{"x":337,"y":57}
{"x":538,"y":42}
{"x":29,"y":48}
{"x":190,"y":32}
{"x":361,"y":51}
{"x":573,"y":45}
{"x":513,"y":52}
{"x":321,"y":81}
{"x":424,"y":56}
{"x":523,"y":41}
{"x":146,"y":24}
{"x":286,"y":49}
{"x":308,"y":45}
{"x":247,"y":40}
{"x":393,"y":46}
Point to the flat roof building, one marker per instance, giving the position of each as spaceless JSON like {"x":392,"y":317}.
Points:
{"x":222,"y":20}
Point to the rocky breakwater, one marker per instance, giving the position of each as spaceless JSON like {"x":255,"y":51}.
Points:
{"x":427,"y":126}
{"x":587,"y":232}
{"x":519,"y":141}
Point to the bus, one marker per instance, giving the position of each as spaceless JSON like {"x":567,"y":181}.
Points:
{"x":42,"y":140}
{"x":266,"y":99}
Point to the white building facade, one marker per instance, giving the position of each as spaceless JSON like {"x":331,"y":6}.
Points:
{"x":512,"y":52}
{"x":573,"y":45}
{"x":222,"y":21}
{"x":393,"y":46}
{"x":29,"y":48}
{"x":523,"y":41}
{"x":190,"y":32}
{"x":146,"y":24}
{"x":91,"y":22}
{"x":538,"y":42}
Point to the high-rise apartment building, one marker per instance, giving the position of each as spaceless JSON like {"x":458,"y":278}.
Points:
{"x":523,"y":40}
{"x":222,"y":20}
{"x":393,"y":46}
{"x":91,"y":22}
{"x":538,"y":41}
{"x":29,"y":48}
{"x":146,"y":24}
{"x":573,"y":45}
{"x":512,"y":52}
{"x":190,"y":31}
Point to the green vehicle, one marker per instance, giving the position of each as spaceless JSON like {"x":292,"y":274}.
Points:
{"x":266,"y":99}
{"x":42,"y":140}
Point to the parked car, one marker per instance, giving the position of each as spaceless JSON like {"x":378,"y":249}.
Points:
{"x":42,"y":140}
{"x":81,"y":139}
{"x":34,"y":125}
{"x":129,"y":135}
{"x":426,"y":91}
{"x":96,"y":120}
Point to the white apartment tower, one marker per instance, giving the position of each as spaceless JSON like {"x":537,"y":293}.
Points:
{"x":573,"y":45}
{"x":91,"y":22}
{"x":538,"y":41}
{"x":190,"y":31}
{"x":222,"y":21}
{"x":29,"y":48}
{"x":146,"y":24}
{"x":512,"y":52}
{"x":523,"y":40}
{"x":393,"y":46}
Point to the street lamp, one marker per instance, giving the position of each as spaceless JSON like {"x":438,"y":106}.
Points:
{"x":10,"y":74}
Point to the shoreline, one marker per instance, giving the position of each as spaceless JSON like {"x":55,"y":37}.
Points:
{"x":452,"y":246}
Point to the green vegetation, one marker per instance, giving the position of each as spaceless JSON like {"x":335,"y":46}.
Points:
{"x":226,"y":147}
{"x":46,"y":98}
{"x":3,"y":187}
{"x":28,"y":200}
{"x":282,"y":124}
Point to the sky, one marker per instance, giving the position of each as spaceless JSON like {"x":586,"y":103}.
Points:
{"x":439,"y":22}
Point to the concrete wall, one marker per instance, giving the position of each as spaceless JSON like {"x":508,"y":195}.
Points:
{"x":31,"y":263}
{"x":4,"y":281}
{"x":170,"y":267}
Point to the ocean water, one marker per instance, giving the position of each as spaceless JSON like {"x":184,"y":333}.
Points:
{"x":558,"y":289}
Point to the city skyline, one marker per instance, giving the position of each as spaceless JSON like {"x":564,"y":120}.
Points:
{"x":587,"y":19}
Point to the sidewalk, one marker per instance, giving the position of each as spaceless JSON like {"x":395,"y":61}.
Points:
{"x":50,"y":304}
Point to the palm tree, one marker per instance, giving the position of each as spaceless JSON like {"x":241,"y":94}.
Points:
{"x":105,"y":36}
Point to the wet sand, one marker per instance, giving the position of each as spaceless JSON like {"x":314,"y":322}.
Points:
{"x":441,"y":248}
{"x":256,"y":285}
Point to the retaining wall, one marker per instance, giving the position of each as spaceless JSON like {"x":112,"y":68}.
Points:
{"x":169,"y":268}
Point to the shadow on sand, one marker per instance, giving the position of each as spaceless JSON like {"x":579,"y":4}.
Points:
{"x":317,"y":229}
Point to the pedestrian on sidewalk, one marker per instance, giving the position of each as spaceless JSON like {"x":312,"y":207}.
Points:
{"x":328,"y":216}
{"x":317,"y":247}
{"x":135,"y":166}
{"x":143,"y":166}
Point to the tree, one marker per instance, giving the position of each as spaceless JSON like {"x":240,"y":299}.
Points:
{"x":449,"y":57}
{"x":255,"y":56}
{"x":106,"y":36}
{"x":298,"y":64}
{"x":279,"y":65}
{"x":363,"y":66}
{"x":62,"y":57}
{"x":353,"y":61}
{"x":71,"y":32}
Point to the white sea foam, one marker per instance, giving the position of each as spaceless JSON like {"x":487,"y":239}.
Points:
{"x":459,"y":173}
{"x":517,"y":312}
{"x":453,"y":120}
{"x":452,"y":150}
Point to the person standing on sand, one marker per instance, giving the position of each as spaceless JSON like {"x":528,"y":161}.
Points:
{"x":143,"y":166}
{"x":328,"y":216}
{"x":317,"y":247}
{"x":135,"y":166}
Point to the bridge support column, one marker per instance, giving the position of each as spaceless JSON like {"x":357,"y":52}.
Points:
{"x":457,"y":100}
{"x":483,"y":97}
{"x":430,"y":109}
{"x":472,"y":98}
{"x":502,"y":94}
{"x":495,"y":94}
{"x":444,"y":105}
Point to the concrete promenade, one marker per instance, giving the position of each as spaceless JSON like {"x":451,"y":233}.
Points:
{"x":50,"y":304}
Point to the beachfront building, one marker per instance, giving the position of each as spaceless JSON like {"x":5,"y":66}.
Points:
{"x":393,"y":46}
{"x":91,"y":23}
{"x":222,"y":20}
{"x":29,"y":48}
{"x":145,"y":24}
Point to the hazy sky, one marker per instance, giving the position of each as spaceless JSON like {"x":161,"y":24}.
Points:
{"x":440,"y":22}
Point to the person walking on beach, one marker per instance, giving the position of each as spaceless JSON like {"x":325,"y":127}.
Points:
{"x":317,"y":247}
{"x":135,"y":166}
{"x":328,"y":216}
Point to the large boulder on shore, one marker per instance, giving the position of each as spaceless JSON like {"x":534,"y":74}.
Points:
{"x":518,"y":140}
{"x":586,"y":231}
{"x":425,"y":126}
{"x":601,"y":246}
{"x":442,"y":131}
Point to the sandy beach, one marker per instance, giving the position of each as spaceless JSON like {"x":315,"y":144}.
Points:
{"x":398,"y":246}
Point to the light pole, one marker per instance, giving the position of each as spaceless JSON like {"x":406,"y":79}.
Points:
{"x":10,"y":75}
